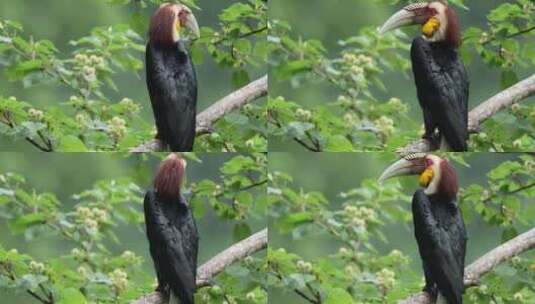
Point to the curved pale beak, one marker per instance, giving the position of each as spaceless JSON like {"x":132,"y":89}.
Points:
{"x":190,"y":23}
{"x":403,"y":167}
{"x":416,"y":13}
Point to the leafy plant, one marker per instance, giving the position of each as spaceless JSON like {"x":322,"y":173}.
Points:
{"x":90,"y":119}
{"x":358,"y":120}
{"x":88,"y":270}
{"x":352,"y":225}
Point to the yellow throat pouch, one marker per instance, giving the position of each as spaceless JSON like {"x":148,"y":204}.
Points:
{"x":430,"y":27}
{"x":426,"y":177}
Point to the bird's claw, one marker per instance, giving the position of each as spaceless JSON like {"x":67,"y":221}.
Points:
{"x":432,"y":291}
{"x":433,"y":139}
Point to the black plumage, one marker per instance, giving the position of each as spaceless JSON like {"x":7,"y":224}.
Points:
{"x":173,"y":241}
{"x":442,"y":86}
{"x":172,"y":85}
{"x":441,"y":236}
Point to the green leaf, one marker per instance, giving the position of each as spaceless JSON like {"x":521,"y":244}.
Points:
{"x":240,"y":78}
{"x":460,"y":3}
{"x":31,"y":281}
{"x":508,"y":234}
{"x":71,"y":296}
{"x":24,"y":68}
{"x":508,"y":78}
{"x":293,"y":220}
{"x":20,"y":224}
{"x":504,"y":169}
{"x":72,"y":144}
{"x":338,"y":143}
{"x":240,"y":232}
{"x":338,"y":295}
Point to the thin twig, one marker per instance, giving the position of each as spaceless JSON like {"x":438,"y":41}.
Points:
{"x":244,"y":35}
{"x":11,"y":125}
{"x":217,"y":264}
{"x":520,"y":32}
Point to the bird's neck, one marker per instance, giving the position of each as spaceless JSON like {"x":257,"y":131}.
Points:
{"x":442,"y":199}
{"x":179,"y":47}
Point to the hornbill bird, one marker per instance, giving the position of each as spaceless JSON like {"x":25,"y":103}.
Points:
{"x":441,"y":79}
{"x":171,"y":78}
{"x":172,"y":233}
{"x":438,"y":224}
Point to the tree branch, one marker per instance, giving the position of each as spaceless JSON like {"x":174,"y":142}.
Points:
{"x":486,"y":263}
{"x":207,"y":118}
{"x":216,"y":265}
{"x":484,"y":111}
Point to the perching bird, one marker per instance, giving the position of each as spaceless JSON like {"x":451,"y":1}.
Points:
{"x":172,"y":233}
{"x":438,"y":224}
{"x":441,"y":79}
{"x":171,"y":78}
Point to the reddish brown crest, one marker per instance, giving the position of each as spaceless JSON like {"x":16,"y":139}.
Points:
{"x":169,"y":178}
{"x":162,"y":25}
{"x":453,"y":33}
{"x":449,"y":184}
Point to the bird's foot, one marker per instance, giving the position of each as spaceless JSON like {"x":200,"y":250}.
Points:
{"x":433,"y":139}
{"x":162,"y":289}
{"x":432,"y":291}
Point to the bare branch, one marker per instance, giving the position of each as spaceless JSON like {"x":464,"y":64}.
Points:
{"x":507,"y":98}
{"x":486,"y":263}
{"x":484,"y":111}
{"x":207,"y":118}
{"x":207,"y":271}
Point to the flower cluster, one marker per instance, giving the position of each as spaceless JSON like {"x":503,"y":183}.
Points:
{"x":91,"y":218}
{"x":89,"y":65}
{"x":359,"y":216}
{"x":119,"y":279}
{"x":386,"y":279}
{"x":35,"y":115}
{"x":117,"y":128}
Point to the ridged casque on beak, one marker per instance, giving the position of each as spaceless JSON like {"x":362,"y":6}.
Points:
{"x":416,"y":13}
{"x":413,"y":164}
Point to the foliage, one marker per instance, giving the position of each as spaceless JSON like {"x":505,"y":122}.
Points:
{"x":359,"y":120}
{"x":90,"y":119}
{"x":355,"y":271}
{"x":89,"y":271}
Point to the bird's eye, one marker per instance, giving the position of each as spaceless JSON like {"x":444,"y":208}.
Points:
{"x":183,"y":16}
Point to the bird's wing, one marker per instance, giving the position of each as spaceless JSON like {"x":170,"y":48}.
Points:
{"x":190,"y":229}
{"x":174,"y":267}
{"x":439,"y":249}
{"x":172,"y":85}
{"x":444,"y":91}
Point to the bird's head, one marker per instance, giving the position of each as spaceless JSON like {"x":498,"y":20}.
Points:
{"x":169,"y":21}
{"x":169,"y":177}
{"x":438,"y":20}
{"x":436,"y":174}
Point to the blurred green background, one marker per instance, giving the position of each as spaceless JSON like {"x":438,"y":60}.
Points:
{"x":333,"y":173}
{"x":71,"y":173}
{"x":335,"y":20}
{"x":61,"y":21}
